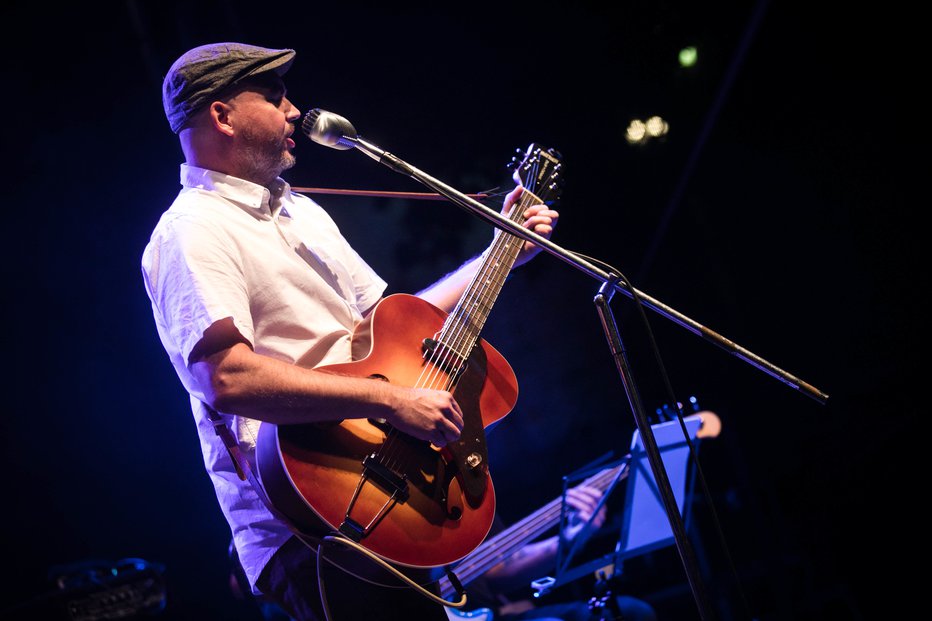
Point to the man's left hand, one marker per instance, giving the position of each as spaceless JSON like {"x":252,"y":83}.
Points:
{"x":538,"y":218}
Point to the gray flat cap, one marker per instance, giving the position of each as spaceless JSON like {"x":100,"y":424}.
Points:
{"x":204,"y":71}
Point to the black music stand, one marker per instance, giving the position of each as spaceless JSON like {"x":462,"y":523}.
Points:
{"x":645,"y":526}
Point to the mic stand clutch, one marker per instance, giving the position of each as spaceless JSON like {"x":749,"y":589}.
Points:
{"x":336,"y":132}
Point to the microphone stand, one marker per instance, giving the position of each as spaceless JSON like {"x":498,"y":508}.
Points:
{"x":496,"y":219}
{"x":610,"y":284}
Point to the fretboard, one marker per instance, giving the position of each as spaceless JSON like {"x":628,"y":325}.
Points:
{"x":464,"y":324}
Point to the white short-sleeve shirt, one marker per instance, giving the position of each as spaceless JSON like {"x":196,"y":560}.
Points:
{"x":276,"y":264}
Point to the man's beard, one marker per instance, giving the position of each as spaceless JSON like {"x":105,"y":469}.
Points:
{"x":264,"y":158}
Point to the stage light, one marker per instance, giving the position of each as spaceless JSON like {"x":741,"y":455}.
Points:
{"x":640,"y":132}
{"x":636,"y":132}
{"x":656,"y":127}
{"x":688,"y":56}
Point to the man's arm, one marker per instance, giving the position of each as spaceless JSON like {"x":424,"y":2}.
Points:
{"x":239,"y":381}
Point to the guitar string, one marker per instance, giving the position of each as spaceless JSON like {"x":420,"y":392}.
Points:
{"x":449,"y":350}
{"x":433,"y":375}
{"x":498,"y":261}
{"x":525,"y":530}
{"x":498,"y":251}
{"x":442,"y":357}
{"x":392,"y":453}
{"x":504,"y":252}
{"x":460,"y":320}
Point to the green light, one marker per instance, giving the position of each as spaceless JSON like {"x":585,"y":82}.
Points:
{"x":688,"y":56}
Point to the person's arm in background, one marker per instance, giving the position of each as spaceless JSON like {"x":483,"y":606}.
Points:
{"x":538,"y":559}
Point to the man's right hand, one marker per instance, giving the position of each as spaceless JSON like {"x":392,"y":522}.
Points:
{"x":426,"y":414}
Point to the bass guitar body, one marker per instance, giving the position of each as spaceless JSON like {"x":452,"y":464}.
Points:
{"x":403,"y":499}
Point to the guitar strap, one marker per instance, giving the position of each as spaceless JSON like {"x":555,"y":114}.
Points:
{"x":232,"y":446}
{"x":245,"y":473}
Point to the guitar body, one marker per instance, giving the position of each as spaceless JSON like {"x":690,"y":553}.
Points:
{"x":403,"y":499}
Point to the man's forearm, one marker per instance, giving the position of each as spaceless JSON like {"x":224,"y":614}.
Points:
{"x":447,"y":291}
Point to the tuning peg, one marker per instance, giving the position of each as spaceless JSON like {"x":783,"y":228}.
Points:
{"x":515,"y":159}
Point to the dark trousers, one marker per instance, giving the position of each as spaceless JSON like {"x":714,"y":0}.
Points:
{"x":290,"y":582}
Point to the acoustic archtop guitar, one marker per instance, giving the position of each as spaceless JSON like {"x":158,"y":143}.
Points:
{"x":406,"y":501}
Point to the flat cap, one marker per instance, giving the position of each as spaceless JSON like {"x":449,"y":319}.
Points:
{"x":202,"y":72}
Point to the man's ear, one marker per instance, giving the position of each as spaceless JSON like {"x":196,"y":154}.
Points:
{"x":220,"y":117}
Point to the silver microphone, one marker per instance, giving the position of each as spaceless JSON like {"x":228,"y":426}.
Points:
{"x":329,"y":129}
{"x":334,"y":131}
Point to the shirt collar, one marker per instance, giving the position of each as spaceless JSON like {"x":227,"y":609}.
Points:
{"x":254,"y":198}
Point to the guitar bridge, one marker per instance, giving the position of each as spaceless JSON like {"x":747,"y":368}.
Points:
{"x":387,"y":480}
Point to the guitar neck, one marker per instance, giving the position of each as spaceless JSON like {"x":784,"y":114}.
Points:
{"x":465,"y":323}
{"x":503,"y":545}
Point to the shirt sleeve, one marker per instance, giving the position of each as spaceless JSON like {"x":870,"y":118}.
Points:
{"x":195,"y":278}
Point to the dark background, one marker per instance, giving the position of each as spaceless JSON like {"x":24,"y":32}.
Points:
{"x":775,"y":212}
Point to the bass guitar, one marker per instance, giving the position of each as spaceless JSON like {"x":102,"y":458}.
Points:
{"x":505,"y":544}
{"x":404,"y":500}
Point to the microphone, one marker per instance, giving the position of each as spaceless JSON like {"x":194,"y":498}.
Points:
{"x":329,"y":129}
{"x":334,"y":131}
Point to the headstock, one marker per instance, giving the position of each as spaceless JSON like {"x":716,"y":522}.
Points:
{"x":711,"y":424}
{"x":539,"y":170}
